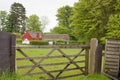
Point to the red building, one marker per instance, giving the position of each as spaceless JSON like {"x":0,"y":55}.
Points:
{"x":27,"y":36}
{"x":31,"y":36}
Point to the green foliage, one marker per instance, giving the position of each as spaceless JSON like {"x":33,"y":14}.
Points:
{"x":38,"y":42}
{"x":60,"y":42}
{"x":90,"y":18}
{"x":17,"y":17}
{"x":76,"y":43}
{"x":18,"y":38}
{"x":63,"y":16}
{"x":60,"y":30}
{"x":113,"y":27}
{"x":18,"y":35}
{"x":3,"y":20}
{"x":64,"y":19}
{"x":34,"y":24}
{"x":18,"y":41}
{"x":10,"y":23}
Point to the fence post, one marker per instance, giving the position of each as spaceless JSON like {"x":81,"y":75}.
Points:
{"x":86,"y":60}
{"x":98,"y":59}
{"x":93,"y":47}
{"x":7,"y":52}
{"x":95,"y":56}
{"x":12,"y":54}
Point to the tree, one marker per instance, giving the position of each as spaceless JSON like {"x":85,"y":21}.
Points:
{"x":64,"y":19}
{"x":44,"y":22}
{"x":60,"y":30}
{"x":34,"y":24}
{"x":63,"y":16}
{"x":3,"y":19}
{"x":90,"y":18}
{"x":10,"y":24}
{"x":113,"y":25}
{"x":17,"y":17}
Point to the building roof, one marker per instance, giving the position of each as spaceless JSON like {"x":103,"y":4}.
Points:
{"x":55,"y":37}
{"x":35,"y":34}
{"x":47,"y":36}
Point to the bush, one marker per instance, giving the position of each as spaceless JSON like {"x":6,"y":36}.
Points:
{"x":38,"y":42}
{"x":19,"y":41}
{"x":18,"y":35}
{"x":74,"y":43}
{"x":60,"y":42}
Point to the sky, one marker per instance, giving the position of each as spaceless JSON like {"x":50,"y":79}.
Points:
{"x":41,"y":8}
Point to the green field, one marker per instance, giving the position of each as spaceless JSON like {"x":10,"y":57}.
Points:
{"x":44,"y":52}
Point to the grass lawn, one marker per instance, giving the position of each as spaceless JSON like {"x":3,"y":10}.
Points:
{"x":44,"y":52}
{"x":19,"y":77}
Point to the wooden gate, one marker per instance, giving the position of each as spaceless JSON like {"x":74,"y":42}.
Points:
{"x":60,"y":58}
{"x":112,"y":58}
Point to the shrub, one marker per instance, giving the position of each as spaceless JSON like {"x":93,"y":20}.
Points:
{"x":60,"y":42}
{"x":19,"y":41}
{"x":74,"y":43}
{"x":18,"y":35}
{"x":38,"y":42}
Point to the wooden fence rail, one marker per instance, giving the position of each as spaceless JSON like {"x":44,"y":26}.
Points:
{"x":54,"y":46}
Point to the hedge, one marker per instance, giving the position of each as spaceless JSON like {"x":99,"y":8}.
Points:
{"x":37,"y":42}
{"x":60,"y":42}
{"x":18,"y":41}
